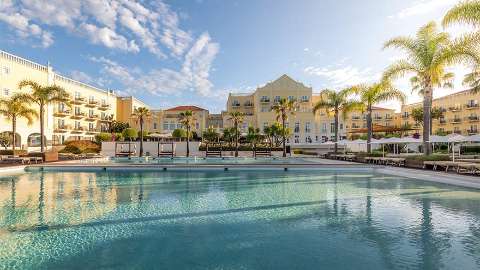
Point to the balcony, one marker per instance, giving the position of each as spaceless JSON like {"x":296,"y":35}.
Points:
{"x":79,"y":100}
{"x":235,"y":105}
{"x":61,"y":128}
{"x":388,"y":118}
{"x":78,"y":130}
{"x":441,"y":109}
{"x":376,"y":118}
{"x":92,"y":131}
{"x":61,"y":113}
{"x":405,"y":116}
{"x":92,"y":103}
{"x":472,"y":131}
{"x":304,"y":100}
{"x":457,"y":132}
{"x":470,"y":106}
{"x":92,"y":117}
{"x":107,"y":119}
{"x":264,"y":100}
{"x":78,"y":115}
{"x":472,"y":118}
{"x":104,"y":107}
{"x":442,"y":121}
{"x":455,"y":109}
{"x":456,"y":120}
{"x":248,"y":104}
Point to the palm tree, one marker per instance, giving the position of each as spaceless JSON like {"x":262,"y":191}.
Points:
{"x":44,"y":96}
{"x":141,"y":114}
{"x":429,"y":54}
{"x":333,"y":102}
{"x":253,"y":136}
{"x":282,"y":109}
{"x":187,"y":120}
{"x":237,"y":119}
{"x":464,"y":12}
{"x":372,"y":94}
{"x":14,"y":108}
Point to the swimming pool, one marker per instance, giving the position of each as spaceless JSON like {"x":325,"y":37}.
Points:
{"x":201,"y":160}
{"x":235,"y":220}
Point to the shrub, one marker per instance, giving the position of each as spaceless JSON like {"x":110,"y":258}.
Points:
{"x":71,"y":149}
{"x":82,"y":146}
{"x":145,"y":134}
{"x":130,"y":134}
{"x":434,"y":157}
{"x":103,"y":137}
{"x":179,"y":133}
{"x":118,"y":136}
{"x":475,"y":149}
{"x":7,"y":152}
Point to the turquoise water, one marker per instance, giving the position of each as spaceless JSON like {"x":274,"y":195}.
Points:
{"x":195,"y":160}
{"x":235,"y":220}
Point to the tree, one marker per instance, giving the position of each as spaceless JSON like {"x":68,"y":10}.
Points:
{"x":44,"y":96}
{"x":333,"y":102}
{"x":130,"y":134}
{"x":5,"y":140}
{"x":282,"y":110}
{"x":210,"y":135}
{"x":141,"y":114}
{"x":237,"y":119}
{"x":15,"y":108}
{"x":254,"y":136}
{"x":417,"y":114}
{"x":118,"y":126}
{"x":228,"y":135}
{"x":179,"y":133}
{"x":372,"y":94}
{"x":467,"y":12}
{"x":429,"y":54}
{"x":187,"y":120}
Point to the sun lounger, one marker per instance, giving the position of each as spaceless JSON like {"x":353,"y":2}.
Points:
{"x":23,"y":160}
{"x":466,"y":167}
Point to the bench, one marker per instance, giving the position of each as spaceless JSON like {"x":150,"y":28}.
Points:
{"x":262,"y":153}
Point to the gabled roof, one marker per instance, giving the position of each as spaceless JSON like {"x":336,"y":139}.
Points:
{"x":186,"y":108}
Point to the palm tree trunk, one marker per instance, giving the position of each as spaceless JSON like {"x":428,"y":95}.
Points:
{"x":14,"y":132}
{"x":236,"y":139}
{"x":336,"y":131}
{"x":188,"y":141}
{"x":42,"y":141}
{"x":369,"y":129}
{"x":427,"y":124}
{"x":141,"y":137}
{"x":284,"y":138}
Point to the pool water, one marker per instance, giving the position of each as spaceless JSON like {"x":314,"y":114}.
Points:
{"x":235,"y":220}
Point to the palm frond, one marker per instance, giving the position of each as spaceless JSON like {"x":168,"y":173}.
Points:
{"x":467,"y":12}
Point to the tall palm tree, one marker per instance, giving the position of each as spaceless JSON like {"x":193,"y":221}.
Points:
{"x":44,"y":96}
{"x":333,"y":103}
{"x":15,"y":108}
{"x":237,"y":119}
{"x":429,"y":54}
{"x":282,"y":110}
{"x":187,"y":120}
{"x":467,"y":12}
{"x":372,"y":94}
{"x":141,"y":114}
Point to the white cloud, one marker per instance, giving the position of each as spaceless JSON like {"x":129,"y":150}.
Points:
{"x":81,"y":76}
{"x":126,"y":25}
{"x":423,"y":7}
{"x":342,"y":76}
{"x":193,"y":75}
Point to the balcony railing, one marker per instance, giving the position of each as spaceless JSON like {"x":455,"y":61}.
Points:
{"x":355,"y":117}
{"x":471,"y":105}
{"x":404,"y":116}
{"x":61,"y":128}
{"x":455,"y":109}
{"x":78,"y":129}
{"x":92,"y":117}
{"x":265,"y":100}
{"x":377,"y":118}
{"x":472,"y":131}
{"x":457,"y":132}
{"x":78,"y":100}
{"x":61,"y":113}
{"x":104,"y":106}
{"x":248,"y":104}
{"x":472,"y":118}
{"x":78,"y":115}
{"x":388,"y":118}
{"x":92,"y":103}
{"x":456,"y":120}
{"x":92,"y":130}
{"x":442,"y":121}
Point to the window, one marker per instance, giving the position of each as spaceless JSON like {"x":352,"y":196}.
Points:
{"x":172,"y":126}
{"x":304,"y":98}
{"x":90,"y":126}
{"x":341,"y":126}
{"x":91,"y":98}
{"x":104,"y":101}
{"x":77,"y":110}
{"x":307,"y":127}
{"x":6,"y":70}
{"x":332,"y":127}
{"x":290,"y":98}
{"x":179,"y":125}
{"x":197,"y":126}
{"x":165,"y":126}
{"x":324,"y":127}
{"x":154,"y":125}
{"x":264,"y":99}
{"x":77,"y":124}
{"x":265,"y":109}
{"x":61,"y":123}
{"x":6,"y":92}
{"x":90,"y":113}
{"x":77,"y":94}
{"x":297,"y":127}
{"x":265,"y":124}
{"x":103,"y":116}
{"x":277,"y":99}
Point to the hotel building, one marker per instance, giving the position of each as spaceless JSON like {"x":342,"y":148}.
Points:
{"x":460,"y":115}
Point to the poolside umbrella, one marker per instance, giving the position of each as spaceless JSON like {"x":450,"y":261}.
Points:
{"x":344,"y":144}
{"x":453,"y":140}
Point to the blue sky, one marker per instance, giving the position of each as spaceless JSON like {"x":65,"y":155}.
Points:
{"x":195,"y":52}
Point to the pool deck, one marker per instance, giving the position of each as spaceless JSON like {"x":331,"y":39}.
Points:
{"x":461,"y":180}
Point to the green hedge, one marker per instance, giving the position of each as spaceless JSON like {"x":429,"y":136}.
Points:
{"x":10,"y":152}
{"x":71,"y":149}
{"x":470,"y":149}
{"x":240,"y":148}
{"x":429,"y":158}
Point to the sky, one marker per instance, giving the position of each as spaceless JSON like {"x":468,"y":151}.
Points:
{"x":195,"y":52}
